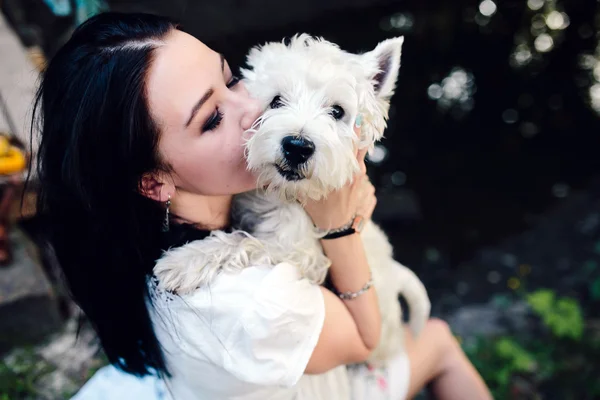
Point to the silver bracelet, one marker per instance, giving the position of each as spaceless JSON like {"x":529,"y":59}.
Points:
{"x":353,"y":295}
{"x":343,"y":227}
{"x":356,"y":224}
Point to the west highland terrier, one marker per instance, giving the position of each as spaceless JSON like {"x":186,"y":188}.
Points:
{"x":303,"y":147}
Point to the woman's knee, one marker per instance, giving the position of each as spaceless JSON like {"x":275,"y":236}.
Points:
{"x":436,"y":336}
{"x":431,"y":352}
{"x":439,"y":328}
{"x":444,"y":339}
{"x":439,"y":325}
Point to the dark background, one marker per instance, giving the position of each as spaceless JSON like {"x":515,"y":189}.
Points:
{"x":488,"y":196}
{"x":466,"y":187}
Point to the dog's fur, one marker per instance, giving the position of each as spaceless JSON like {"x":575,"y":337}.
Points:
{"x":310,"y":76}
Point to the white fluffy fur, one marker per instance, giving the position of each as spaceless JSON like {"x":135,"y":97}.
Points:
{"x":197,"y":263}
{"x":311,"y":75}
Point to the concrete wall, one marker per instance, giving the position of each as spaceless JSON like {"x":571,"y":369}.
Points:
{"x":18,"y":78}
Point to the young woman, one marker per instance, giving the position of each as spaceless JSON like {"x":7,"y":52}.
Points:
{"x":142,"y":129}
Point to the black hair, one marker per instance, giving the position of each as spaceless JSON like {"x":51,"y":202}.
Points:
{"x":97,"y":141}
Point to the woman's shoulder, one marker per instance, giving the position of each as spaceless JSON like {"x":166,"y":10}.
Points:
{"x":265,"y":319}
{"x":202,"y":320}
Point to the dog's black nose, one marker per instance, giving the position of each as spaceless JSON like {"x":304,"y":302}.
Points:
{"x":297,"y":150}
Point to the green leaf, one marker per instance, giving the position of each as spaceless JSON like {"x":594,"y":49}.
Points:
{"x":571,"y":319}
{"x":520,"y":359}
{"x":506,"y":347}
{"x":523,"y":363}
{"x":562,"y":316}
{"x":503,"y":376}
{"x":541,"y":301}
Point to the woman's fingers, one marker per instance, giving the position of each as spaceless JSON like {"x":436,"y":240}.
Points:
{"x":361,"y":161}
{"x":366,"y":209}
{"x":360,"y":153}
{"x":368,"y":201}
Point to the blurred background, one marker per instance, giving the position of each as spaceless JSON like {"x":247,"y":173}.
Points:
{"x":488,"y":178}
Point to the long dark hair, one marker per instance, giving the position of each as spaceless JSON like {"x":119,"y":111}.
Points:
{"x":97,"y":141}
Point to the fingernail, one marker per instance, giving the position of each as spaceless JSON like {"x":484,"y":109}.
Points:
{"x":359,"y":120}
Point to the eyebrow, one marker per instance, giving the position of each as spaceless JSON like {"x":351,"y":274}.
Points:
{"x":204,"y":98}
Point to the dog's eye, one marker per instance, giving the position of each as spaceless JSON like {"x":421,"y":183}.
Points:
{"x":276,"y":102}
{"x":337,"y":112}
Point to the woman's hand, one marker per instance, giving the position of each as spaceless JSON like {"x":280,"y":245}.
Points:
{"x":340,"y":206}
{"x":352,"y":328}
{"x":367,"y":199}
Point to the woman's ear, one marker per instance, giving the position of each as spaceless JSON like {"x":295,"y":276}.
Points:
{"x":156,"y":187}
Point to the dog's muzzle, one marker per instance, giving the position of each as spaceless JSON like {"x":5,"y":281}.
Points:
{"x":296,"y":152}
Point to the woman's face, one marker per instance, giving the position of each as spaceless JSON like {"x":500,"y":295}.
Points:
{"x":202,"y":112}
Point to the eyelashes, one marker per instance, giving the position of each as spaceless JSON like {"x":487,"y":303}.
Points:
{"x":215,"y":120}
{"x":234,"y":81}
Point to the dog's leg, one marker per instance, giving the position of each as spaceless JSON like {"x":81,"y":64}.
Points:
{"x":285,"y":230}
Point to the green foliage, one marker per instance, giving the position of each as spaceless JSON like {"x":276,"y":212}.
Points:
{"x":18,"y":377}
{"x":562,"y":316}
{"x":555,"y":359}
{"x":498,"y":360}
{"x":517,"y":357}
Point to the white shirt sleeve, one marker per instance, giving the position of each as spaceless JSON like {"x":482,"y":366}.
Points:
{"x":279,"y":327}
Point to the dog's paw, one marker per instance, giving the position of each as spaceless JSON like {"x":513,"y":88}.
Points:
{"x":186,"y":268}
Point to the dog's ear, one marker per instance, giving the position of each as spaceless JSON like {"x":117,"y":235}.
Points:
{"x":383,"y":65}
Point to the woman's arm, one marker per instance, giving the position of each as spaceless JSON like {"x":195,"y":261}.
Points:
{"x":352,"y":327}
{"x":349,"y":273}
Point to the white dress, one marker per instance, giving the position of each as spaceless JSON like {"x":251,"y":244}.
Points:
{"x":250,"y":335}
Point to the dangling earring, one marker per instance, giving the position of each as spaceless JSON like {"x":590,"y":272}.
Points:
{"x":165,"y":227}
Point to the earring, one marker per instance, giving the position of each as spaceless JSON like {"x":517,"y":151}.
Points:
{"x":165,"y":227}
{"x":359,"y":120}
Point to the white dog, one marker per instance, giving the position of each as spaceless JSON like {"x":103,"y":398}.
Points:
{"x":302,"y":147}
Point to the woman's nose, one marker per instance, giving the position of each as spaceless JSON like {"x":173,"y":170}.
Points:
{"x":252,"y":110}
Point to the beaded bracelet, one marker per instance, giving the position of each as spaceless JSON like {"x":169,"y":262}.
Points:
{"x":353,"y":295}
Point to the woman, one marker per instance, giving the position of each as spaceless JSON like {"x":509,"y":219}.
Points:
{"x":141,"y":151}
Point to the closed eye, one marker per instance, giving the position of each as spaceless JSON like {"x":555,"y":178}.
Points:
{"x":233,"y":81}
{"x":213,"y":122}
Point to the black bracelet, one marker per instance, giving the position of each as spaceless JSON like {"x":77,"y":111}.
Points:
{"x":339,"y":234}
{"x":355,"y":225}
